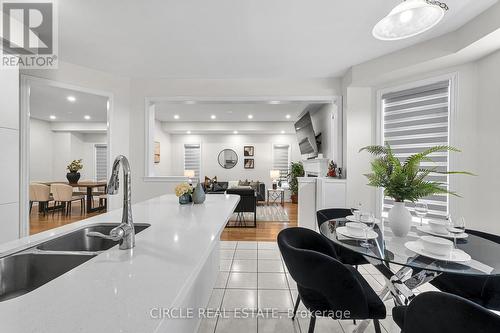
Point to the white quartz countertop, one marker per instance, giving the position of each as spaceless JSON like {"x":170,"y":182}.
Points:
{"x":115,"y":291}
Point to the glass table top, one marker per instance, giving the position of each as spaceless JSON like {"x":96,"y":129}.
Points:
{"x":391,"y":249}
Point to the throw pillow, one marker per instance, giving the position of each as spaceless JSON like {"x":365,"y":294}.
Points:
{"x":232,"y":184}
{"x":254,"y":185}
{"x":244,"y":183}
{"x":209,"y":182}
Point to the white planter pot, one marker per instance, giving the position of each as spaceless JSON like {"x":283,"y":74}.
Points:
{"x":399,"y":219}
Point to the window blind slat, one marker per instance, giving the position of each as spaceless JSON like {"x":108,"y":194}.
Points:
{"x":414,"y":120}
{"x":192,"y":158}
{"x":281,"y":160}
{"x":101,"y":162}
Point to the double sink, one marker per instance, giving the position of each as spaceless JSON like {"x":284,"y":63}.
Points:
{"x":25,"y":271}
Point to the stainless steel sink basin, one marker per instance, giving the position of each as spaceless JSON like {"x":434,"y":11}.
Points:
{"x":22,"y":273}
{"x":79,"y":241}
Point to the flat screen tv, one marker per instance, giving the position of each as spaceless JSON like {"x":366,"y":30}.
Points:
{"x":306,"y":136}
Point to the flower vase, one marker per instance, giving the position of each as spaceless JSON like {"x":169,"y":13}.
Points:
{"x":399,"y":219}
{"x":184,"y":199}
{"x":198,"y":194}
{"x":73,"y":177}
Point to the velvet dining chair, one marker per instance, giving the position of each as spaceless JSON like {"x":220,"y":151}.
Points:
{"x":326,"y":286}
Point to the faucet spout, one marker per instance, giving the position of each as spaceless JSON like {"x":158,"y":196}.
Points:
{"x":125,"y":232}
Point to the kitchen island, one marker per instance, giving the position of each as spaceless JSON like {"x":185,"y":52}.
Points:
{"x":174,"y":265}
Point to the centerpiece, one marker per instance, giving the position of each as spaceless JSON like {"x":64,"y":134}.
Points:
{"x":183,"y":191}
{"x":406,"y":181}
{"x":73,"y":175}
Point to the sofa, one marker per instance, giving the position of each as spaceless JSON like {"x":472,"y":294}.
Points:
{"x":216,"y":187}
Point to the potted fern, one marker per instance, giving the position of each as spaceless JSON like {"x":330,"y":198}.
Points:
{"x":405,"y":181}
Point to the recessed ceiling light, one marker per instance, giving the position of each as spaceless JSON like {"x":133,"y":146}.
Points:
{"x":250,"y":116}
{"x":235,"y":132}
{"x":188,"y":132}
{"x":282,"y":132}
{"x":52,"y":117}
{"x":213,"y":116}
{"x":176,"y":116}
{"x":410,"y":18}
{"x":190,"y":102}
{"x":86,"y":117}
{"x":274,"y":102}
{"x":72,"y":99}
{"x":288,"y":116}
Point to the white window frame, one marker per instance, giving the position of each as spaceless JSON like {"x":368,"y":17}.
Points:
{"x":97,"y":145}
{"x":289,"y":153}
{"x":453,"y":77}
{"x":184,"y":156}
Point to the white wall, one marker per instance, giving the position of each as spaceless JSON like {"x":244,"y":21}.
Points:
{"x":51,"y":152}
{"x":213,"y":144}
{"x":9,"y":157}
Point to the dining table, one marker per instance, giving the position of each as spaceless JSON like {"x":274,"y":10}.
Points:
{"x":405,"y":270}
{"x":89,"y":185}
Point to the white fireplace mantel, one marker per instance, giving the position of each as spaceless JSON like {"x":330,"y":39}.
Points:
{"x":317,"y":167}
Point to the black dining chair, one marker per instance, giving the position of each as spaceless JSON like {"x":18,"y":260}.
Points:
{"x":326,"y":286}
{"x":346,"y":256}
{"x":438,"y":312}
{"x":483,"y":290}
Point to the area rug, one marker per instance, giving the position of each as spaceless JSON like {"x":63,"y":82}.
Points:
{"x":265,"y":213}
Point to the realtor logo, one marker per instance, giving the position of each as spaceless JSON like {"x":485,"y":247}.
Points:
{"x":29,"y":34}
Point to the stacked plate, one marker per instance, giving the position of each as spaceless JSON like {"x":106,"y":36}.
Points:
{"x":437,"y":248}
{"x":439,"y":228}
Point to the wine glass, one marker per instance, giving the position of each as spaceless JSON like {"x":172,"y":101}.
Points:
{"x":356,"y":210}
{"x":450,"y":226}
{"x":369,"y":223}
{"x":421,"y":210}
{"x":457,"y":228}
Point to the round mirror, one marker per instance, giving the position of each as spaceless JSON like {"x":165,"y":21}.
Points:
{"x":228,"y":158}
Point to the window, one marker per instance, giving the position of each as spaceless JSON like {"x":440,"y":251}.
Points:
{"x":192,"y":158}
{"x":101,"y":162}
{"x":281,"y":160}
{"x":414,"y":120}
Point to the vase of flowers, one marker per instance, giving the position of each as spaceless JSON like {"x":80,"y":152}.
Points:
{"x":183,"y":191}
{"x":73,"y":175}
{"x":406,"y":181}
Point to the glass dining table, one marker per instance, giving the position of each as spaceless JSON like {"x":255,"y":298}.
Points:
{"x":405,"y":270}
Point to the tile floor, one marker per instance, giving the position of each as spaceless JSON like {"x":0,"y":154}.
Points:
{"x":253,"y":276}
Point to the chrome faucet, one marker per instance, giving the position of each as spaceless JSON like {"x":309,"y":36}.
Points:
{"x":125,"y":232}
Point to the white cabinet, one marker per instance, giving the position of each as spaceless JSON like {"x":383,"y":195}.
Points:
{"x":316,"y":194}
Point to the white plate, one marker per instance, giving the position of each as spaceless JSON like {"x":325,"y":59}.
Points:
{"x":455,"y":255}
{"x":345,"y":232}
{"x":427,"y":230}
{"x":353,"y":219}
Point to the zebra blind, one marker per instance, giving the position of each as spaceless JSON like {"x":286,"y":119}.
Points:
{"x":192,"y":158}
{"x":413,"y":121}
{"x":101,"y":162}
{"x":281,"y":160}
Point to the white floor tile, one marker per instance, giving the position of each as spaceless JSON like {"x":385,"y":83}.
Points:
{"x":294,"y":294}
{"x":380,"y":279}
{"x":242,"y":281}
{"x":348,"y":326}
{"x":323,"y":325}
{"x":225,"y":265}
{"x":268,"y":246}
{"x":277,"y":325}
{"x":246,"y":254}
{"x":291,"y":283}
{"x":239,"y":299}
{"x":207,"y":325}
{"x":269,"y":255}
{"x":427,"y":287}
{"x":246,"y":245}
{"x":275,"y":299}
{"x":371,"y":269}
{"x":272,"y":281}
{"x":215,"y":300}
{"x":244,"y":265}
{"x":271,"y":266}
{"x":231,"y":245}
{"x":373,"y":283}
{"x":389,"y":325}
{"x":226,"y":254}
{"x":221,"y":280}
{"x":240,"y":325}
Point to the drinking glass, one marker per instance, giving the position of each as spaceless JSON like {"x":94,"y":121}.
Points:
{"x":369,"y":222}
{"x":356,"y":210}
{"x":452,"y":229}
{"x":421,"y":211}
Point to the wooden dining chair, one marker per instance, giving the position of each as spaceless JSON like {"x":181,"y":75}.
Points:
{"x":63,"y":194}
{"x":40,"y":193}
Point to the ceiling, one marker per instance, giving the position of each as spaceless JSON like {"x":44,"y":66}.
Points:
{"x":229,"y":112}
{"x":48,"y":100}
{"x":233,"y":39}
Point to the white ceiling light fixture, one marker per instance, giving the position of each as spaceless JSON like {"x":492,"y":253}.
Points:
{"x":250,"y":116}
{"x":71,"y":99}
{"x":52,"y":117}
{"x":213,"y":116}
{"x":235,"y":132}
{"x":282,"y":132}
{"x":86,"y":117}
{"x":176,"y":116}
{"x":410,"y":18}
{"x":188,"y":132}
{"x":287,"y":116}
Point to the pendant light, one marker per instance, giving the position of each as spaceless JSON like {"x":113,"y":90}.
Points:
{"x":410,"y":18}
